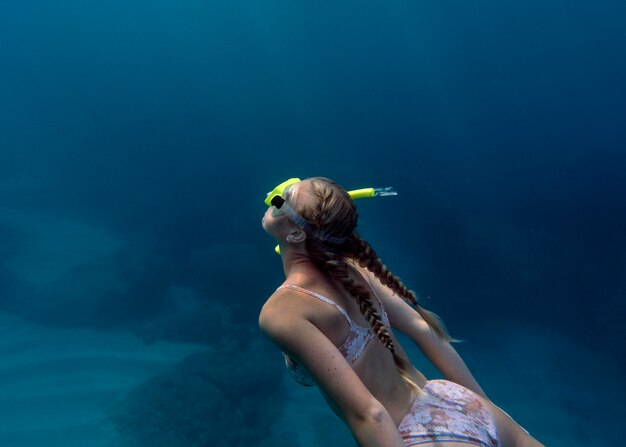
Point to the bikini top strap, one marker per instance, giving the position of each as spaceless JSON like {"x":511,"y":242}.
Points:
{"x":320,"y":297}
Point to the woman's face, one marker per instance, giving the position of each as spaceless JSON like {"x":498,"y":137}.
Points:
{"x":269,"y":221}
{"x":277,"y":224}
{"x":274,"y":222}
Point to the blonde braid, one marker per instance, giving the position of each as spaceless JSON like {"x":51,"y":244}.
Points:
{"x":335,"y":264}
{"x":368,"y":258}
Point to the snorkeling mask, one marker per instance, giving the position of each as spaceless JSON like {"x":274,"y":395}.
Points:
{"x":275,"y":199}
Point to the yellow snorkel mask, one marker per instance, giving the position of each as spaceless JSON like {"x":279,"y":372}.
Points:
{"x":274,"y":198}
{"x":280,"y":189}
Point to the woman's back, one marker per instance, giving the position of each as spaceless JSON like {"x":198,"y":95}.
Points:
{"x":369,"y":359}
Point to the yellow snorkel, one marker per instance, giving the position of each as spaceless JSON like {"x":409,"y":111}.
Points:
{"x":355,"y":194}
{"x":372,"y":192}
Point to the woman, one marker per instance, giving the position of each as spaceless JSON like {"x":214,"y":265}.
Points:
{"x":346,"y":346}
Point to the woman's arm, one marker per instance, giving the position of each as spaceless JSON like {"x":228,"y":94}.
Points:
{"x":442,"y":354}
{"x":295,"y":335}
{"x":406,"y":320}
{"x":510,"y":432}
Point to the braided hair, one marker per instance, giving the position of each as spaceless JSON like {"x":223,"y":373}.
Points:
{"x":334,"y":213}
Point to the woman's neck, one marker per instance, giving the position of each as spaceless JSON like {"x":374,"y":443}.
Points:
{"x":300,"y":267}
{"x":295,"y":259}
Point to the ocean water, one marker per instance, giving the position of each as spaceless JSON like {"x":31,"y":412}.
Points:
{"x":138,"y":140}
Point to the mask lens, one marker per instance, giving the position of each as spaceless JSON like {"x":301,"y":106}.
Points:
{"x":277,"y":201}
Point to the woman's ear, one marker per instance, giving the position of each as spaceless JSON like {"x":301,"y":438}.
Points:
{"x":296,"y":237}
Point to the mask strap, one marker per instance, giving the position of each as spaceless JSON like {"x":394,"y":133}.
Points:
{"x":307,"y":227}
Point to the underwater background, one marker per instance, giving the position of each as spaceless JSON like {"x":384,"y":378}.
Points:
{"x":138,"y":140}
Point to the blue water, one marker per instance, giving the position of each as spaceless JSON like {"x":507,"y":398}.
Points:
{"x":137,"y":142}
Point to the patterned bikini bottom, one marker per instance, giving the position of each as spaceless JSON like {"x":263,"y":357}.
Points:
{"x":450,"y":412}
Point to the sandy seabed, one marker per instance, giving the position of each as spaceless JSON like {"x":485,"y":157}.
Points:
{"x":56,"y":385}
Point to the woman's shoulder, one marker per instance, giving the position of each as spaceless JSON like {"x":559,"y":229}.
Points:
{"x":284,"y":304}
{"x":303,"y":302}
{"x":278,"y":313}
{"x":285,"y":315}
{"x":282,"y":298}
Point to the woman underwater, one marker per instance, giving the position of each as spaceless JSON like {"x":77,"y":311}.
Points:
{"x":346,"y":346}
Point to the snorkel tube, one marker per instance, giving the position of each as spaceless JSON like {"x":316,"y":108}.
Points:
{"x":354,"y":194}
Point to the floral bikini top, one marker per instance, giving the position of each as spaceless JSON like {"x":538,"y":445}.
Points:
{"x":352,"y":347}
